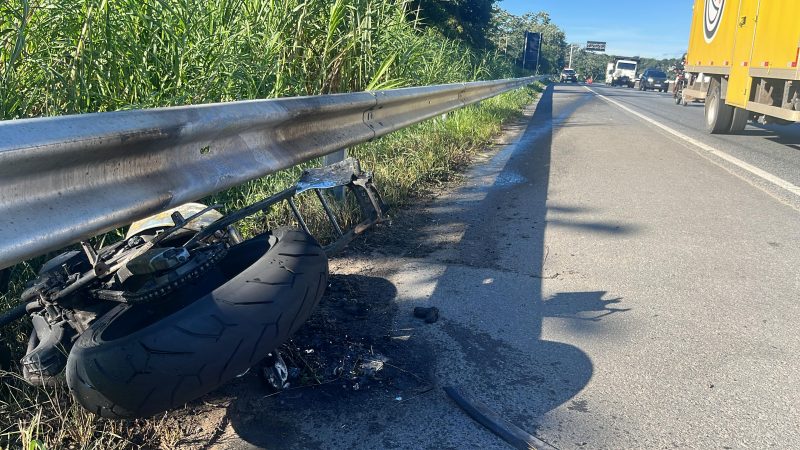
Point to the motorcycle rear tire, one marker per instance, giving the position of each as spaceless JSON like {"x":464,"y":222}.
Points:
{"x":140,"y":360}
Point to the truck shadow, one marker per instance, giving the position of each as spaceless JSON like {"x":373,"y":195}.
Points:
{"x":787,"y":135}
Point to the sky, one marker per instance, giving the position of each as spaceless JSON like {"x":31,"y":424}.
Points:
{"x":658,"y":29}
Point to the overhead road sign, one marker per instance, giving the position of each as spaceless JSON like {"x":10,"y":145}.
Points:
{"x":595,"y":46}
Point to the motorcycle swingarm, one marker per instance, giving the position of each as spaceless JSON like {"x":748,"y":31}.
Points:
{"x":343,"y":174}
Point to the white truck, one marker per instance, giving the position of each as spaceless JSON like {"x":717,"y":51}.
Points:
{"x":621,"y":72}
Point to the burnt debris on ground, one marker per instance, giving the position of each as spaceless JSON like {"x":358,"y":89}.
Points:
{"x":349,"y":342}
{"x":351,"y":355}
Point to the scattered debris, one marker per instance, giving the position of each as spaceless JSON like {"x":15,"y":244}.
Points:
{"x":430,"y":315}
{"x":345,"y":343}
{"x":373,"y":365}
{"x":275,"y":372}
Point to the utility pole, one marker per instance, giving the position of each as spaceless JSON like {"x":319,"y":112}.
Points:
{"x":525,"y":50}
{"x":571,"y":47}
{"x":570,"y":56}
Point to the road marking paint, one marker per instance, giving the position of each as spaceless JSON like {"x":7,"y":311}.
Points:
{"x":764,"y":175}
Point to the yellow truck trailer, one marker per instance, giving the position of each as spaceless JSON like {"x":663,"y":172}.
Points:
{"x":743,"y":60}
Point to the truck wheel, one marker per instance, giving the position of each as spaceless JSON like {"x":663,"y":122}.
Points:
{"x":140,"y":360}
{"x":739,"y":120}
{"x":718,"y":115}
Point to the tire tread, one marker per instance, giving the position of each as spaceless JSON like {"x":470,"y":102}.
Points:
{"x":149,"y":371}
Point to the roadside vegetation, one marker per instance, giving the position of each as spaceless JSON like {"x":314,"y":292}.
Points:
{"x":62,"y":57}
{"x":66,"y":57}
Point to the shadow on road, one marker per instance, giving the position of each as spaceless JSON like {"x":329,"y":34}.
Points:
{"x":491,"y":292}
{"x":576,"y":305}
{"x":481,"y":252}
{"x":788,"y":135}
{"x":526,"y":376}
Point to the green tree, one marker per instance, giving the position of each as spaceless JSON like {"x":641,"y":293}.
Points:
{"x":668,"y":65}
{"x":507,"y":33}
{"x":467,"y":20}
{"x":589,"y":64}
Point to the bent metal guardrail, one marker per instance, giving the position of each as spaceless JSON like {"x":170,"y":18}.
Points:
{"x":67,"y":178}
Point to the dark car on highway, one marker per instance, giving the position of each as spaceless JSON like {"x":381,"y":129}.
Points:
{"x":569,"y":75}
{"x":653,"y":79}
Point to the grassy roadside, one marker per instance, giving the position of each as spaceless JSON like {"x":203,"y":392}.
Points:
{"x":406,"y":164}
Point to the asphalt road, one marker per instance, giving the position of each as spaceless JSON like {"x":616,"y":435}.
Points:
{"x":603,"y":283}
{"x":772,"y":148}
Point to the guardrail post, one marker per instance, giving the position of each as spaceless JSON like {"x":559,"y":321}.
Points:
{"x":331,"y":158}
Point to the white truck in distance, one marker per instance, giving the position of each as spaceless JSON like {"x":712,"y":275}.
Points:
{"x":621,"y":72}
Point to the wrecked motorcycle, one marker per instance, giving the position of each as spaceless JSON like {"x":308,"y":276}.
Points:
{"x":183,"y":303}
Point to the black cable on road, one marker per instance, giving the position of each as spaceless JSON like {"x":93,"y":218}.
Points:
{"x":512,"y":434}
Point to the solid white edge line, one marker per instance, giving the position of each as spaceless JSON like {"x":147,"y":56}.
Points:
{"x":766,"y":176}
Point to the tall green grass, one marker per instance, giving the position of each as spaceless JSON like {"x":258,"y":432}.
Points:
{"x":72,"y":56}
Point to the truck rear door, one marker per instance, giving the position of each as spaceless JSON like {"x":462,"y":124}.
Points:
{"x":739,"y":81}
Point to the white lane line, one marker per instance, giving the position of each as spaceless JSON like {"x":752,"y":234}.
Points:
{"x":764,"y":175}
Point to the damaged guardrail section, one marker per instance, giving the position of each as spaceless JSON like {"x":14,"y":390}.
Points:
{"x":63,"y":179}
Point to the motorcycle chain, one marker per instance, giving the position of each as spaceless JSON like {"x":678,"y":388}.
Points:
{"x":149,"y":295}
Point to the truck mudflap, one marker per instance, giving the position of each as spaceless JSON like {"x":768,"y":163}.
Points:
{"x":690,"y":95}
